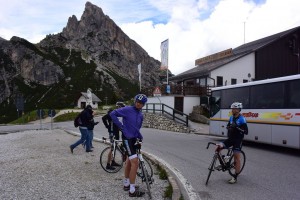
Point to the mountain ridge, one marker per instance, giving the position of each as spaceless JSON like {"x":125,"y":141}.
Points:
{"x":92,"y":52}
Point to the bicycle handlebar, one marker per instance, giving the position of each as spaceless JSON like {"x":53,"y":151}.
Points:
{"x":210,"y":144}
{"x":104,"y":139}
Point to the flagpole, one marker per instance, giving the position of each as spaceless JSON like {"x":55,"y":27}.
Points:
{"x":140,"y":75}
{"x":168,"y":64}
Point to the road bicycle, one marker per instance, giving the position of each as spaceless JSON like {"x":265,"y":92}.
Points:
{"x":116,"y":156}
{"x":145,"y":172}
{"x":116,"y":153}
{"x":224,"y":162}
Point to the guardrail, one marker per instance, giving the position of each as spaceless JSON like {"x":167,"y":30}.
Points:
{"x":165,"y":109}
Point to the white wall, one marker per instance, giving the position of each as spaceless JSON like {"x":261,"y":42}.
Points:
{"x":81,"y":99}
{"x":168,"y":100}
{"x":189,"y":103}
{"x":238,"y":69}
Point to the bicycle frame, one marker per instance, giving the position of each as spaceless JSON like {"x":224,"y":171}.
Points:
{"x":114,"y":144}
{"x":227,"y":164}
{"x":145,"y":175}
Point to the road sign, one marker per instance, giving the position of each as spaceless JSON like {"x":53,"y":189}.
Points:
{"x":19,"y":102}
{"x":51,"y":113}
{"x":168,"y":89}
{"x":157,"y":91}
{"x":40,"y":113}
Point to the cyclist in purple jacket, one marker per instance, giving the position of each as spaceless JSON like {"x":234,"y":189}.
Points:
{"x":130,"y":127}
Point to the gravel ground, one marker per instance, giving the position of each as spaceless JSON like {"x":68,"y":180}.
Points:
{"x":39,"y":165}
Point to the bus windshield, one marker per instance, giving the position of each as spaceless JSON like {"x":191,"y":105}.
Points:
{"x":215,"y":103}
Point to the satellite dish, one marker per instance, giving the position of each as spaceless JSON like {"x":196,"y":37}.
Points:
{"x":249,"y":75}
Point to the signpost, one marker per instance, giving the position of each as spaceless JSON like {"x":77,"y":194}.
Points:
{"x":41,"y":114}
{"x":157,"y":92}
{"x":168,"y":89}
{"x":19,"y":104}
{"x":51,"y":113}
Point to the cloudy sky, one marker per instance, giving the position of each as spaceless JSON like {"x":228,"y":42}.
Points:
{"x":195,"y":28}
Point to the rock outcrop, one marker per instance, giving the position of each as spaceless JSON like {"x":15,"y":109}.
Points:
{"x":198,"y":115}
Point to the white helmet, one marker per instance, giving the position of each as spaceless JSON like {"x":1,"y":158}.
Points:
{"x":237,"y":105}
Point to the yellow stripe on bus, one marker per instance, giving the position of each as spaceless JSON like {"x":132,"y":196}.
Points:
{"x":260,"y":122}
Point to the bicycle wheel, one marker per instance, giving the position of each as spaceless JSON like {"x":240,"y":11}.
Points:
{"x":231,"y":169}
{"x":147,"y":166}
{"x":211,"y":167}
{"x":145,"y":176}
{"x":117,"y":158}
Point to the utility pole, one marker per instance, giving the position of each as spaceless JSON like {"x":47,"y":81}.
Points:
{"x":244,"y":32}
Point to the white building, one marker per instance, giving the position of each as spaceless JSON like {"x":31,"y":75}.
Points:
{"x":270,"y":57}
{"x":88,"y":98}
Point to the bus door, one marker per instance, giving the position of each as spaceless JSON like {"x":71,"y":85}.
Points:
{"x":215,"y":115}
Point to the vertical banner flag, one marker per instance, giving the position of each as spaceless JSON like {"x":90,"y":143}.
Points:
{"x":140,"y":74}
{"x":164,"y":47}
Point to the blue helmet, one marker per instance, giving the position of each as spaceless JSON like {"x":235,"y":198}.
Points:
{"x":141,"y":98}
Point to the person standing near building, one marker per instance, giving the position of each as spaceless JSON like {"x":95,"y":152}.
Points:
{"x":86,"y":117}
{"x":237,"y":128}
{"x":130,"y":127}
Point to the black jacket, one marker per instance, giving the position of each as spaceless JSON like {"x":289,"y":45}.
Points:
{"x":107,"y":121}
{"x":86,"y":117}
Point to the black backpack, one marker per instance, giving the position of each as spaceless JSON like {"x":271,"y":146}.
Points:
{"x":77,"y":120}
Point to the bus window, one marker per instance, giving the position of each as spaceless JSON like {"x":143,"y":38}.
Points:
{"x":293,"y":88}
{"x":235,"y":95}
{"x":267,"y":96}
{"x":215,"y":102}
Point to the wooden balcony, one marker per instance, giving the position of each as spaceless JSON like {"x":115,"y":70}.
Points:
{"x":180,"y":90}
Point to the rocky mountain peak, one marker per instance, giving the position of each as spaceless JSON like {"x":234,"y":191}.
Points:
{"x":91,"y":20}
{"x":92,"y":52}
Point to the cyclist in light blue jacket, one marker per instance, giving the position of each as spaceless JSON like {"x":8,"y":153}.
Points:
{"x":132,"y":120}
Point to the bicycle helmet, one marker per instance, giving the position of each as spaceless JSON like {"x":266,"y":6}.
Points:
{"x":141,"y":98}
{"x":236,"y":105}
{"x":120,"y":104}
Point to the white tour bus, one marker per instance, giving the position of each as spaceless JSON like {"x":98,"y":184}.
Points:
{"x":271,"y":108}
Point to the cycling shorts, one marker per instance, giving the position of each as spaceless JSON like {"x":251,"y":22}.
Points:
{"x":235,"y":143}
{"x":130,"y":147}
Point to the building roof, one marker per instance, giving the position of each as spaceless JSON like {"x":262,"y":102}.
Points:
{"x":238,"y":52}
{"x":94,"y":97}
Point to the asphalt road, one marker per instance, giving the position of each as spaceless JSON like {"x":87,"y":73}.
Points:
{"x":270,"y":172}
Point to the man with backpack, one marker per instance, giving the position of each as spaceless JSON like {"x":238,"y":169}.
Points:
{"x":84,"y":121}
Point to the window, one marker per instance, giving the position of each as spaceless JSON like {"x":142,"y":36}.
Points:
{"x":233,"y":81}
{"x":267,"y":96}
{"x":293,"y":94}
{"x":203,"y":81}
{"x":235,"y":95}
{"x":245,"y":81}
{"x":215,"y":102}
{"x":219,"y":81}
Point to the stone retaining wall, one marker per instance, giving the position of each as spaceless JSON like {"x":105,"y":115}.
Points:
{"x":161,"y":122}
